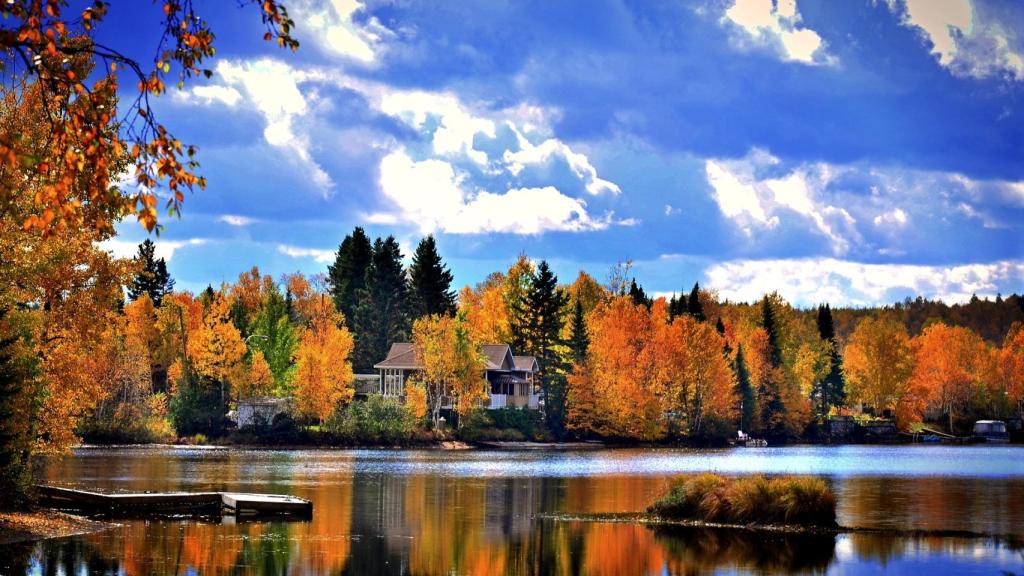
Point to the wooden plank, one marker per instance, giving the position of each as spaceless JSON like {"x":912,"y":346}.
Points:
{"x":266,"y":504}
{"x":169,"y":502}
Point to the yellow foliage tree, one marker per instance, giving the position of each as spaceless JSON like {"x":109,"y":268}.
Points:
{"x":323,"y":371}
{"x":878,"y":364}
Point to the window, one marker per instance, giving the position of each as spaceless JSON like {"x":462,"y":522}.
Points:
{"x":393,"y":382}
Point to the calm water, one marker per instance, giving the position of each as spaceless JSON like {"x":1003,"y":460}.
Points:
{"x":478,"y":512}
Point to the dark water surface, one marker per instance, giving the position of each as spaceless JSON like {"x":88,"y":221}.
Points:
{"x":487,"y":512}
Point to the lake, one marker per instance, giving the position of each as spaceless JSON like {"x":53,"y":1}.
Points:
{"x":505,"y":512}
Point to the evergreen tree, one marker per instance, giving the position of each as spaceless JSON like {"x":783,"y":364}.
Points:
{"x":693,"y":305}
{"x":153,"y":278}
{"x":673,"y":307}
{"x":545,"y":316}
{"x":636,"y":292}
{"x":347,"y":276}
{"x":744,"y":390}
{"x":579,"y":339}
{"x":832,"y":390}
{"x":720,"y":328}
{"x":15,"y":436}
{"x":430,"y":282}
{"x":770,"y":325}
{"x":382,"y":316}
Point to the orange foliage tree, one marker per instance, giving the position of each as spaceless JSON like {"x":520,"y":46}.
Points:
{"x":49,"y":41}
{"x":452,"y":364}
{"x":878,"y":363}
{"x":1011,"y":366}
{"x":484,"y":307}
{"x":323,"y":372}
{"x":952,"y":365}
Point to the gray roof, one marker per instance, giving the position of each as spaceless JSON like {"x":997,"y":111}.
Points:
{"x":499,"y":356}
{"x":401,"y":355}
{"x":525,"y":363}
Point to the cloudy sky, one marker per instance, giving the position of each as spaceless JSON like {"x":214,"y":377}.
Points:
{"x":852,"y":152}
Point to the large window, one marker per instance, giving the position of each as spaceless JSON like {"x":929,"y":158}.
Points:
{"x":393,"y":384}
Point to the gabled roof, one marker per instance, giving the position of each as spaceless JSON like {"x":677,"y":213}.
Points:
{"x":525,"y":363}
{"x":401,"y":355}
{"x":499,"y":356}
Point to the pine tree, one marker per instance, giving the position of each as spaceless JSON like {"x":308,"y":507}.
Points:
{"x":579,"y":339}
{"x":720,"y":328}
{"x":770,"y":325}
{"x":636,"y":292}
{"x":382,"y":316}
{"x":693,"y":305}
{"x":430,"y":282}
{"x":833,"y":388}
{"x":347,"y":276}
{"x":545,"y":316}
{"x":153,"y":278}
{"x":744,"y":391}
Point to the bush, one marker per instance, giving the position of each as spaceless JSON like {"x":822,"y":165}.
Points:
{"x":505,"y":424}
{"x":128,"y":423}
{"x":798,"y":500}
{"x":378,"y":420}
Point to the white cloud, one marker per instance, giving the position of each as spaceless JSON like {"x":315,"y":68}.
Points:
{"x":456,"y":128}
{"x":209,"y":94}
{"x":895,"y":217}
{"x":778,"y":24}
{"x":813,"y":281}
{"x":322,"y":256}
{"x":332,"y":27}
{"x":964,"y":39}
{"x":529,"y":154}
{"x":164,"y":248}
{"x":235,"y":220}
{"x":754,"y":200}
{"x":430,"y":193}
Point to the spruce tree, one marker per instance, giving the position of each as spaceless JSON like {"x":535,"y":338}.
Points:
{"x":545,"y":316}
{"x":693,"y":305}
{"x":770,"y":325}
{"x":832,"y":390}
{"x":744,"y":390}
{"x":430,"y":282}
{"x":579,"y":339}
{"x":347,"y":276}
{"x":382,"y":316}
{"x":720,"y":328}
{"x":636,"y":292}
{"x":673,"y":307}
{"x":152,"y":278}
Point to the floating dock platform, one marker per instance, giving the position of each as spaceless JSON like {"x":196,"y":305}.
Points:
{"x":199,"y":503}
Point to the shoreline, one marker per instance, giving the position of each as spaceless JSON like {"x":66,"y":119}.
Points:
{"x":44,"y":524}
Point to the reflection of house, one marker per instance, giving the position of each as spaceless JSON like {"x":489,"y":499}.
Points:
{"x":259,"y":411}
{"x":511,"y":378}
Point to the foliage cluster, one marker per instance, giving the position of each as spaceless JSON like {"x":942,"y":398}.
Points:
{"x":379,"y":420}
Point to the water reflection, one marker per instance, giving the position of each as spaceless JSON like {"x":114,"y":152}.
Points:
{"x":373,"y":514}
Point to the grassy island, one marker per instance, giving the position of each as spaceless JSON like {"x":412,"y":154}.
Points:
{"x":795,"y":500}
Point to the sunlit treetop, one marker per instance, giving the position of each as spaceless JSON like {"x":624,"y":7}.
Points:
{"x":48,"y":43}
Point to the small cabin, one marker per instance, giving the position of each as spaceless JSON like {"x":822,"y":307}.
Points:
{"x":259,"y":411}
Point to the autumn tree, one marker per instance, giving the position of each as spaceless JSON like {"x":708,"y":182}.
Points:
{"x":453,"y":365}
{"x":952,"y":365}
{"x":323,"y":370}
{"x":152,"y":278}
{"x":485,"y":310}
{"x":54,"y":44}
{"x":17,"y":414}
{"x":879,"y":363}
{"x":430,"y":281}
{"x":1011,"y":366}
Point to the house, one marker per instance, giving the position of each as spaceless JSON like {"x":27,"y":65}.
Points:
{"x":512,"y":379}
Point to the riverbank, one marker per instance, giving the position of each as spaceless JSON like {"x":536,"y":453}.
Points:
{"x":38,"y":525}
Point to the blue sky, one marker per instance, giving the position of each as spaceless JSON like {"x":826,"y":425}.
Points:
{"x":854,"y":152}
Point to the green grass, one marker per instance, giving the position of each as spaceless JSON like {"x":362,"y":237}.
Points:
{"x":792,"y":500}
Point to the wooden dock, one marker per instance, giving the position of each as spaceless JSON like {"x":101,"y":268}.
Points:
{"x":157,"y":503}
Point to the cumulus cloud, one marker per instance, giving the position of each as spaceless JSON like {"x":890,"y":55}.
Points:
{"x":456,"y":126}
{"x":777,"y":24}
{"x":895,"y":217}
{"x":164,"y":248}
{"x":965,"y":41}
{"x":323,"y":256}
{"x":530,"y":154}
{"x":751,"y":192}
{"x":210,"y":94}
{"x":433,"y":195}
{"x":812,"y":281}
{"x":333,"y":29}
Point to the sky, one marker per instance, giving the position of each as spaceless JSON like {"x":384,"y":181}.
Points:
{"x":854,"y":152}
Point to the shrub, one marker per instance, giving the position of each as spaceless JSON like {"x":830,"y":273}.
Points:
{"x":378,"y":420}
{"x":505,"y":424}
{"x":802,"y":500}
